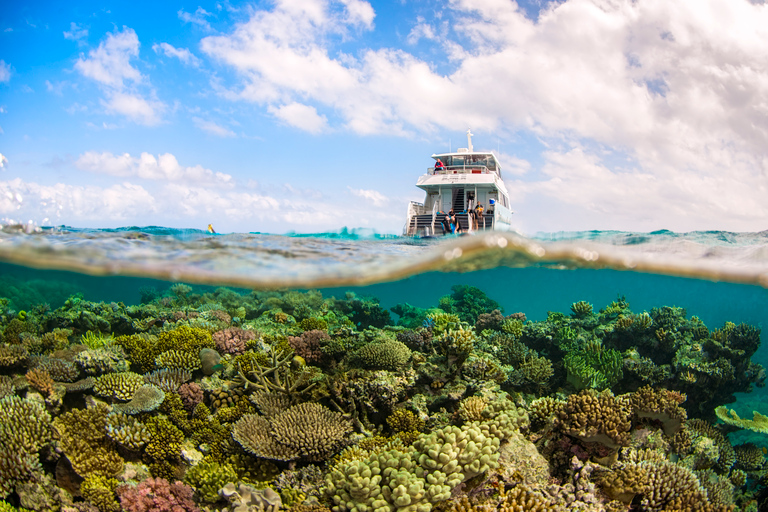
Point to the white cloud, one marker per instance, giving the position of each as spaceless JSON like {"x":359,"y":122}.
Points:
{"x":134,"y":107}
{"x":5,"y":71}
{"x":301,"y":116}
{"x":164,"y":167}
{"x":680,"y":87}
{"x":421,"y":30}
{"x":183,"y":54}
{"x":120,"y":202}
{"x":56,"y":88}
{"x":75,"y":32}
{"x":359,"y":13}
{"x":213,"y":128}
{"x":3,"y":161}
{"x":374,"y":196}
{"x":198,"y":17}
{"x":109,"y":64}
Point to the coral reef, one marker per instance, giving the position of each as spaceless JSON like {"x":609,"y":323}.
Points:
{"x":286,"y":400}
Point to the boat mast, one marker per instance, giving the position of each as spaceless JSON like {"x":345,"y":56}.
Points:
{"x":469,"y":141}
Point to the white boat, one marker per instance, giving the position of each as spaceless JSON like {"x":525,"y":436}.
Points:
{"x":466,"y":178}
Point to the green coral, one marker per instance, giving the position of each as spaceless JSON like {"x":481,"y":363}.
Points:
{"x":82,"y":436}
{"x":127,"y":431}
{"x":100,"y":491}
{"x":598,"y":369}
{"x":388,"y":355}
{"x":25,"y":428}
{"x":468,"y":302}
{"x":396,"y":478}
{"x":165,"y":439}
{"x":312,"y":323}
{"x":208,"y":477}
{"x":581,"y":309}
{"x":179,"y":359}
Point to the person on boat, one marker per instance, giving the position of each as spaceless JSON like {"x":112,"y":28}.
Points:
{"x":445,"y":222}
{"x":455,"y":227}
{"x":439,"y":165}
{"x":477,"y":215}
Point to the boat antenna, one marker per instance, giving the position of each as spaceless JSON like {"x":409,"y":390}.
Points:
{"x":469,"y":141}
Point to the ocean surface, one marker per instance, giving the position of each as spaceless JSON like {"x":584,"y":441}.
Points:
{"x":717,"y":276}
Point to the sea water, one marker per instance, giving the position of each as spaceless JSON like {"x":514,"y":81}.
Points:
{"x":717,"y":276}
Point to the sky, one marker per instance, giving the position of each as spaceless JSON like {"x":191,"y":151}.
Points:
{"x":313,"y":115}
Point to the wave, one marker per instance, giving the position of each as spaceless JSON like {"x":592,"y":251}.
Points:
{"x":353,"y":257}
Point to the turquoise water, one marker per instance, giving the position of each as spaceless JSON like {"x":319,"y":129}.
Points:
{"x":718,"y":277}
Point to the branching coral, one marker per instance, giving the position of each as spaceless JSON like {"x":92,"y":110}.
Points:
{"x":387,"y":355}
{"x":157,"y":495}
{"x":661,"y":405}
{"x":596,"y":417}
{"x":82,"y":436}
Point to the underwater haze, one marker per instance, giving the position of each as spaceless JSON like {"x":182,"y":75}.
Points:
{"x":152,"y":368}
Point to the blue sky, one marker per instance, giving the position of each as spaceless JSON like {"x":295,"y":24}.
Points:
{"x":311,"y":115}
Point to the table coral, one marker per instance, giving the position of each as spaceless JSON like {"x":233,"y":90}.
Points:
{"x":127,"y":431}
{"x":179,"y":359}
{"x":146,"y":398}
{"x":168,"y":379}
{"x":307,"y":431}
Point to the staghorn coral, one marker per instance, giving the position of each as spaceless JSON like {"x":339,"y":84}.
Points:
{"x":596,"y":417}
{"x":597,"y":369}
{"x":25,"y":428}
{"x":306,"y":431}
{"x":581,"y":309}
{"x":40,"y":380}
{"x":118,"y":386}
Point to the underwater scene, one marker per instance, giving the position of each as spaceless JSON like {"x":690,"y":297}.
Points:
{"x":155,"y":369}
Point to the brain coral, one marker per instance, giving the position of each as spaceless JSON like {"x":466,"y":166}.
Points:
{"x":306,"y":431}
{"x":25,"y":428}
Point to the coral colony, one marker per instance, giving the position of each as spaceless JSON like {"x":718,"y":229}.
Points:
{"x":291,"y":401}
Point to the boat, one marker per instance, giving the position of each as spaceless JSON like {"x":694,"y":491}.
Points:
{"x":459,"y":181}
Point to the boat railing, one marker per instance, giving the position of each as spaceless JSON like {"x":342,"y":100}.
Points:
{"x":460,"y":169}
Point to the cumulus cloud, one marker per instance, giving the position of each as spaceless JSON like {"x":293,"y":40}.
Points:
{"x":164,"y":167}
{"x":680,"y":88}
{"x":183,"y":54}
{"x":197,"y":18}
{"x":303,"y":117}
{"x":374,"y":196}
{"x":75,"y":32}
{"x":213,"y":128}
{"x":3,"y":161}
{"x":120,"y":202}
{"x":5,"y":71}
{"x":110,"y":66}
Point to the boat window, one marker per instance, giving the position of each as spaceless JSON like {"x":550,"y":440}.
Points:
{"x":457,"y":160}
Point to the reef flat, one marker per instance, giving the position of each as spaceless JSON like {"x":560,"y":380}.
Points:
{"x":198,"y":400}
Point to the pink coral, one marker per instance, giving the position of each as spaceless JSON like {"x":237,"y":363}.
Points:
{"x":191,"y":394}
{"x":157,"y":495}
{"x":308,"y":345}
{"x":232,"y":340}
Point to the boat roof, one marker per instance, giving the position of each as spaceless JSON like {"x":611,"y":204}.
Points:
{"x":465,"y":152}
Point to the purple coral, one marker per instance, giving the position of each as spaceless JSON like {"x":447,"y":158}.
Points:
{"x":308,"y":345}
{"x":191,"y":394}
{"x":157,"y":495}
{"x":232,"y":340}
